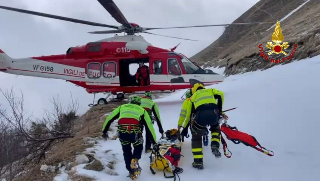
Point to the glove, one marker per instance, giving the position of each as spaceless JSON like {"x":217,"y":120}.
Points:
{"x":225,"y":117}
{"x":184,"y":131}
{"x":155,"y":147}
{"x":162,"y":136}
{"x":105,"y":135}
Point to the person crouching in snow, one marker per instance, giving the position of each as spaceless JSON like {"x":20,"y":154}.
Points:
{"x":132,"y":118}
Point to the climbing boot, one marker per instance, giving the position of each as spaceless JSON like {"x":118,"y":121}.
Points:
{"x":132,"y":176}
{"x":215,"y":151}
{"x":135,"y":167}
{"x":198,"y":165}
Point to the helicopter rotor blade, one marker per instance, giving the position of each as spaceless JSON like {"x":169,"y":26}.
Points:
{"x":57,"y":17}
{"x":115,"y":12}
{"x":106,"y":32}
{"x":170,"y":36}
{"x":201,"y":26}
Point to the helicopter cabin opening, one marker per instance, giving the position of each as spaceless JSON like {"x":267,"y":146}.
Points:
{"x":134,"y":72}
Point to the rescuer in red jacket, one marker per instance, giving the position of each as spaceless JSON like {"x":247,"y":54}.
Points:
{"x":142,"y":75}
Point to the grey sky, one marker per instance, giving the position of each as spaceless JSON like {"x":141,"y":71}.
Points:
{"x":24,"y":35}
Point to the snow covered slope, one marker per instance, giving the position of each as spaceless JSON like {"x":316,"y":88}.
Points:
{"x":279,"y":106}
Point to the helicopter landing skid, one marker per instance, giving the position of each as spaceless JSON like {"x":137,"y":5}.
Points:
{"x":120,"y":97}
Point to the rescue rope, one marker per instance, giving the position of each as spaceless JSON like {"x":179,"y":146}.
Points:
{"x":225,"y":147}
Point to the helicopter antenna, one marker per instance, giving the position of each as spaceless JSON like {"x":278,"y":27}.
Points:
{"x":172,"y":49}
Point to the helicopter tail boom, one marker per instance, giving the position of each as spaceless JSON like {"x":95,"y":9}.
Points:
{"x":4,"y":61}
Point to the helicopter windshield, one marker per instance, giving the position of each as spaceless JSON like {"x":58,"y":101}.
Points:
{"x":189,"y":66}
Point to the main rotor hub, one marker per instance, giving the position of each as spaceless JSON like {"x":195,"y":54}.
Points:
{"x":135,"y":29}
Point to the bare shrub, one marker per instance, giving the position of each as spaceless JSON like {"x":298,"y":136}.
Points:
{"x":26,"y":140}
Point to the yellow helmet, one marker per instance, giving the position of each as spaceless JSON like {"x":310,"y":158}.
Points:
{"x":196,"y":87}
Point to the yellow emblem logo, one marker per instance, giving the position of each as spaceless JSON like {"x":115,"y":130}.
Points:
{"x":277,"y":38}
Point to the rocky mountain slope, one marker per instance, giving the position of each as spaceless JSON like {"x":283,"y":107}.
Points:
{"x":71,"y":152}
{"x":237,"y":48}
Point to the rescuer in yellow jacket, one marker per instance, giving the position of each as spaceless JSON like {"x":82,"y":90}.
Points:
{"x":151,"y":107}
{"x":204,"y":110}
{"x":132,"y":118}
{"x":183,"y":114}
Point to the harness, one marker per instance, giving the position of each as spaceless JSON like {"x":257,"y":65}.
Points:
{"x":129,"y":128}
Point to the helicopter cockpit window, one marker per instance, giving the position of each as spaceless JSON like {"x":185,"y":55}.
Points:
{"x":157,"y":67}
{"x":174,"y":67}
{"x":94,"y":70}
{"x":109,"y":69}
{"x":188,"y":65}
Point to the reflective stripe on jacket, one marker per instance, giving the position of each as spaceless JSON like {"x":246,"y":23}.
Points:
{"x":132,"y":111}
{"x":183,"y":112}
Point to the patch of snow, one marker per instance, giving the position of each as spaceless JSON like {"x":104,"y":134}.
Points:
{"x":80,"y":159}
{"x":47,"y":168}
{"x":44,"y":168}
{"x":63,"y":176}
{"x":218,"y":70}
{"x":89,"y":140}
{"x":288,"y":15}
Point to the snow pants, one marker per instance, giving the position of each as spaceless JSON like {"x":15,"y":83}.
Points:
{"x":196,"y":140}
{"x":205,"y":115}
{"x":148,"y":140}
{"x":126,"y":140}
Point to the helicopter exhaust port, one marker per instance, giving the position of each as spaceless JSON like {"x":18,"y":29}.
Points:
{"x":138,"y":45}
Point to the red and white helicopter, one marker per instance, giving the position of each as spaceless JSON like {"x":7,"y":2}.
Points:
{"x":103,"y":66}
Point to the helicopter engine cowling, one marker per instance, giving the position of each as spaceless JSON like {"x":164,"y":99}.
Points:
{"x":138,"y":45}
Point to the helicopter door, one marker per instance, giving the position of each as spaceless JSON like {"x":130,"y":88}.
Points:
{"x":174,"y":71}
